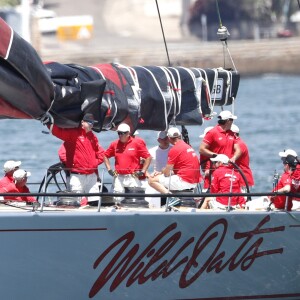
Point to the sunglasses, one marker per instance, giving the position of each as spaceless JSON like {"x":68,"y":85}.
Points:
{"x":122,"y":133}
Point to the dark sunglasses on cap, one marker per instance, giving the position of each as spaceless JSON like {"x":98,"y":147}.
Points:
{"x":122,"y":133}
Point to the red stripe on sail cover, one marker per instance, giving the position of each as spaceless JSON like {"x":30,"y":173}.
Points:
{"x":10,"y":111}
{"x":6,"y":35}
{"x":110,"y":73}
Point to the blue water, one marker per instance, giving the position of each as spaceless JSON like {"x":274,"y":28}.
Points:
{"x":268,"y":117}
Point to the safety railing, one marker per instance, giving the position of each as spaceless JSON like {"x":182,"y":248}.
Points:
{"x":40,"y":205}
{"x":51,"y":181}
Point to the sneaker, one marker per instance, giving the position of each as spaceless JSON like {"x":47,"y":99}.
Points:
{"x":174,"y":201}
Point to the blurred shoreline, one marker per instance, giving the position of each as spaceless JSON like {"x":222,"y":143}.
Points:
{"x":128,"y":32}
{"x":250,"y":58}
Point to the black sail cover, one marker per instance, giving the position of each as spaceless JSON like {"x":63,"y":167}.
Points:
{"x":145,"y":97}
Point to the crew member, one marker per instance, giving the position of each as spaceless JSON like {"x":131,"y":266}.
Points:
{"x":182,"y":171}
{"x":128,"y":152}
{"x":83,"y":155}
{"x":18,"y":186}
{"x":220,"y":139}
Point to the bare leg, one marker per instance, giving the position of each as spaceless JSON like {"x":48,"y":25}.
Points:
{"x":205,"y":204}
{"x":154,"y":182}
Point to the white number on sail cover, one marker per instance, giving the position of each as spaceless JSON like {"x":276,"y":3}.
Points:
{"x":217,"y":91}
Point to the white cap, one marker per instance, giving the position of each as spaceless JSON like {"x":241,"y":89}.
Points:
{"x":287,"y":152}
{"x":226,"y":114}
{"x":222,"y":158}
{"x":206,"y":130}
{"x":173,"y":132}
{"x":162,"y":135}
{"x":234,"y":128}
{"x":10,"y":165}
{"x":123,"y":127}
{"x":20,"y":174}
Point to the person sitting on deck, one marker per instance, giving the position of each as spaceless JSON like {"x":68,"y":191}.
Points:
{"x":289,"y":181}
{"x":18,"y":186}
{"x":9,"y":168}
{"x":224,"y":180}
{"x":182,"y":171}
{"x":159,"y":155}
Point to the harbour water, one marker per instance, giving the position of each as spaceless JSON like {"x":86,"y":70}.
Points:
{"x":268,"y":118}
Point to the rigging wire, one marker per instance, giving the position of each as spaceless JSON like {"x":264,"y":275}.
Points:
{"x":163,"y":33}
{"x":218,"y":12}
{"x":223,"y":35}
{"x":184,"y":131}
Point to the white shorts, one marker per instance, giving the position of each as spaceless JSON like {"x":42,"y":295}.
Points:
{"x":260,"y":203}
{"x":85,"y":183}
{"x":214,"y":204}
{"x":122,"y":181}
{"x":175,"y":183}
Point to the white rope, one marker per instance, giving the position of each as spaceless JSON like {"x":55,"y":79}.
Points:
{"x":234,"y":67}
{"x":177,"y":107}
{"x":200,"y":81}
{"x":160,"y":91}
{"x":170,"y":90}
{"x":136,"y":86}
{"x":174,"y":91}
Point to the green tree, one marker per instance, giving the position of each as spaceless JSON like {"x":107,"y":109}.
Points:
{"x":4,"y":3}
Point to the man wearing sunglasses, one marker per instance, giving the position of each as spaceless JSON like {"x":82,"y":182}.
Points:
{"x":82,"y":155}
{"x":127,"y":152}
{"x":220,"y":140}
{"x":289,"y":181}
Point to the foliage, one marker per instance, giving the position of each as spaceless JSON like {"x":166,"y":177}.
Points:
{"x":4,"y":3}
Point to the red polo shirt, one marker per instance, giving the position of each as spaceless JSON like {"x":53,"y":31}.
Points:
{"x":127,"y":155}
{"x":295,"y":182}
{"x":222,"y":179}
{"x":244,"y":162}
{"x":185,"y":161}
{"x":205,"y":165}
{"x":6,"y":180}
{"x":12,"y":188}
{"x":220,"y":141}
{"x":279,"y":201}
